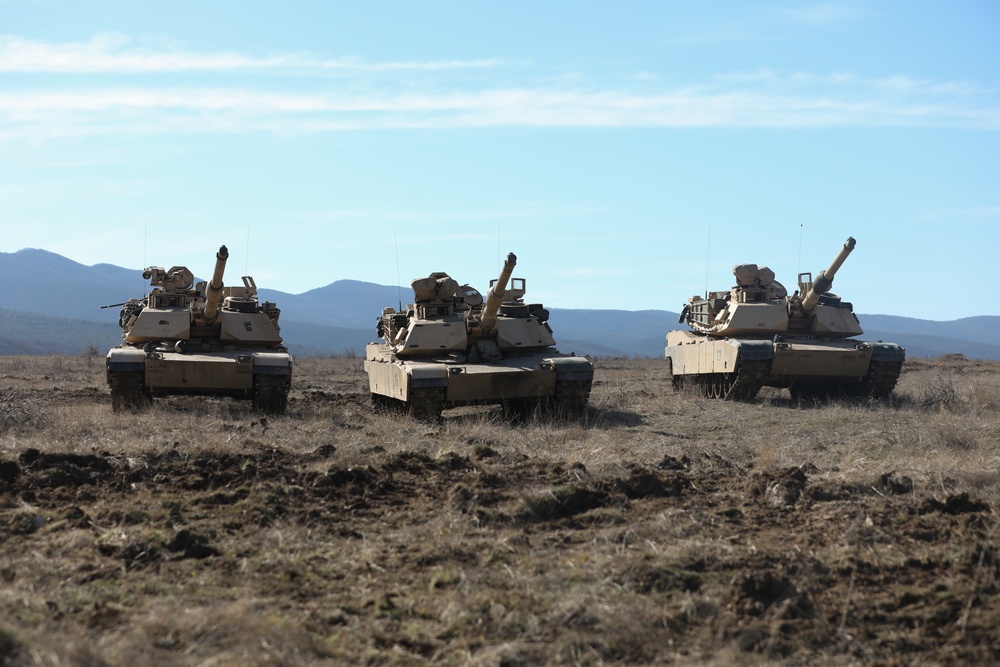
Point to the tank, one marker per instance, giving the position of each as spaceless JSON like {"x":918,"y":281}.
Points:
{"x":756,"y":335}
{"x":451,"y":347}
{"x":208,"y":339}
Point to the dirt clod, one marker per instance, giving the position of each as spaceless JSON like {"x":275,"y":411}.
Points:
{"x":954,"y":504}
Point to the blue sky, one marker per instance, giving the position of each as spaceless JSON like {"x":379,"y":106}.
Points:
{"x":630,"y":153}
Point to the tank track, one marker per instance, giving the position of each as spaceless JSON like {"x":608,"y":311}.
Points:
{"x":426,"y":404}
{"x":743,"y":385}
{"x":128,"y":394}
{"x":270,"y":394}
{"x":881,"y":379}
{"x":570,"y":400}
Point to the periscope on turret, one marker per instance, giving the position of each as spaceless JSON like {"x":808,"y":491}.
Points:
{"x":450,"y":347}
{"x":757,"y":335}
{"x":208,"y":339}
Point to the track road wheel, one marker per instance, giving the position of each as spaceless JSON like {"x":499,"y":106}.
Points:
{"x":128,"y":394}
{"x":743,"y":385}
{"x":881,"y":379}
{"x":714,"y":385}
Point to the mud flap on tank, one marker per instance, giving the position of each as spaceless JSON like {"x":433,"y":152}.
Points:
{"x":752,"y":369}
{"x":270,"y":393}
{"x":888,"y":352}
{"x":125,"y":374}
{"x":425,"y":395}
{"x":123,"y":359}
{"x":128,"y":393}
{"x":574,"y":376}
{"x":886,"y":365}
{"x":272,"y":380}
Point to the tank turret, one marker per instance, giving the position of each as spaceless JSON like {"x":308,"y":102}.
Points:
{"x":760,"y":335}
{"x":760,"y":305}
{"x":210,"y":340}
{"x":452,"y":348}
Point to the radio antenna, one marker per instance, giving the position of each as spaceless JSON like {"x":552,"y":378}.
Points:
{"x":246,"y":265}
{"x":798,"y":269}
{"x":145,"y":245}
{"x":708,"y":256}
{"x":399,"y":289}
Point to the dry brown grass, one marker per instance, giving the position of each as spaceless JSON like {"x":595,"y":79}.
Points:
{"x":654,"y":530}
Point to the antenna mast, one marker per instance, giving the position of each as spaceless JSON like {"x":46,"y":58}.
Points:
{"x":798,"y":269}
{"x":708,"y":255}
{"x":399,"y":289}
{"x":145,"y":244}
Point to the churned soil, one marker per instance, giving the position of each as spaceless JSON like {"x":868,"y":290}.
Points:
{"x":662,"y":529}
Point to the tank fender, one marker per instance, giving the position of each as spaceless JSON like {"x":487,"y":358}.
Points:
{"x":570,"y":369}
{"x":272,"y":363}
{"x":123,"y":359}
{"x":888,"y":352}
{"x":755,"y":350}
{"x":424,"y":376}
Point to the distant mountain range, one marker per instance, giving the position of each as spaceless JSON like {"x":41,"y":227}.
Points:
{"x":51,"y":304}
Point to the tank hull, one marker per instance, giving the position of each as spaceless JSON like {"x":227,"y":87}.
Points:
{"x":737,"y":367}
{"x":424,"y":386}
{"x":136,"y":376}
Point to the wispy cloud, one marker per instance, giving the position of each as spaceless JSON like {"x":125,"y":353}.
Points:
{"x":972,"y":214}
{"x":113,"y":53}
{"x":199,"y":110}
{"x":77,"y":103}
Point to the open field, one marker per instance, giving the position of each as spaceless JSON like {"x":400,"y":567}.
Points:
{"x":662,"y":529}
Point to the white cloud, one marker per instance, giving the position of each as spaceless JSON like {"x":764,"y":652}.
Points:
{"x":111,"y":53}
{"x":972,"y":214}
{"x":891,"y":102}
{"x":47,"y":108}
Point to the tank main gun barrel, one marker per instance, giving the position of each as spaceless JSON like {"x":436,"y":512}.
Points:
{"x":495,"y":296}
{"x":213,"y":291}
{"x":824,"y":281}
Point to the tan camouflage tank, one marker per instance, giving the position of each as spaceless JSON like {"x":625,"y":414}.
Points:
{"x":451,"y":348}
{"x":756,"y":334}
{"x":202,"y":340}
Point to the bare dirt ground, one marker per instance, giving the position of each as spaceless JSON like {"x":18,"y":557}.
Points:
{"x":662,"y":529}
